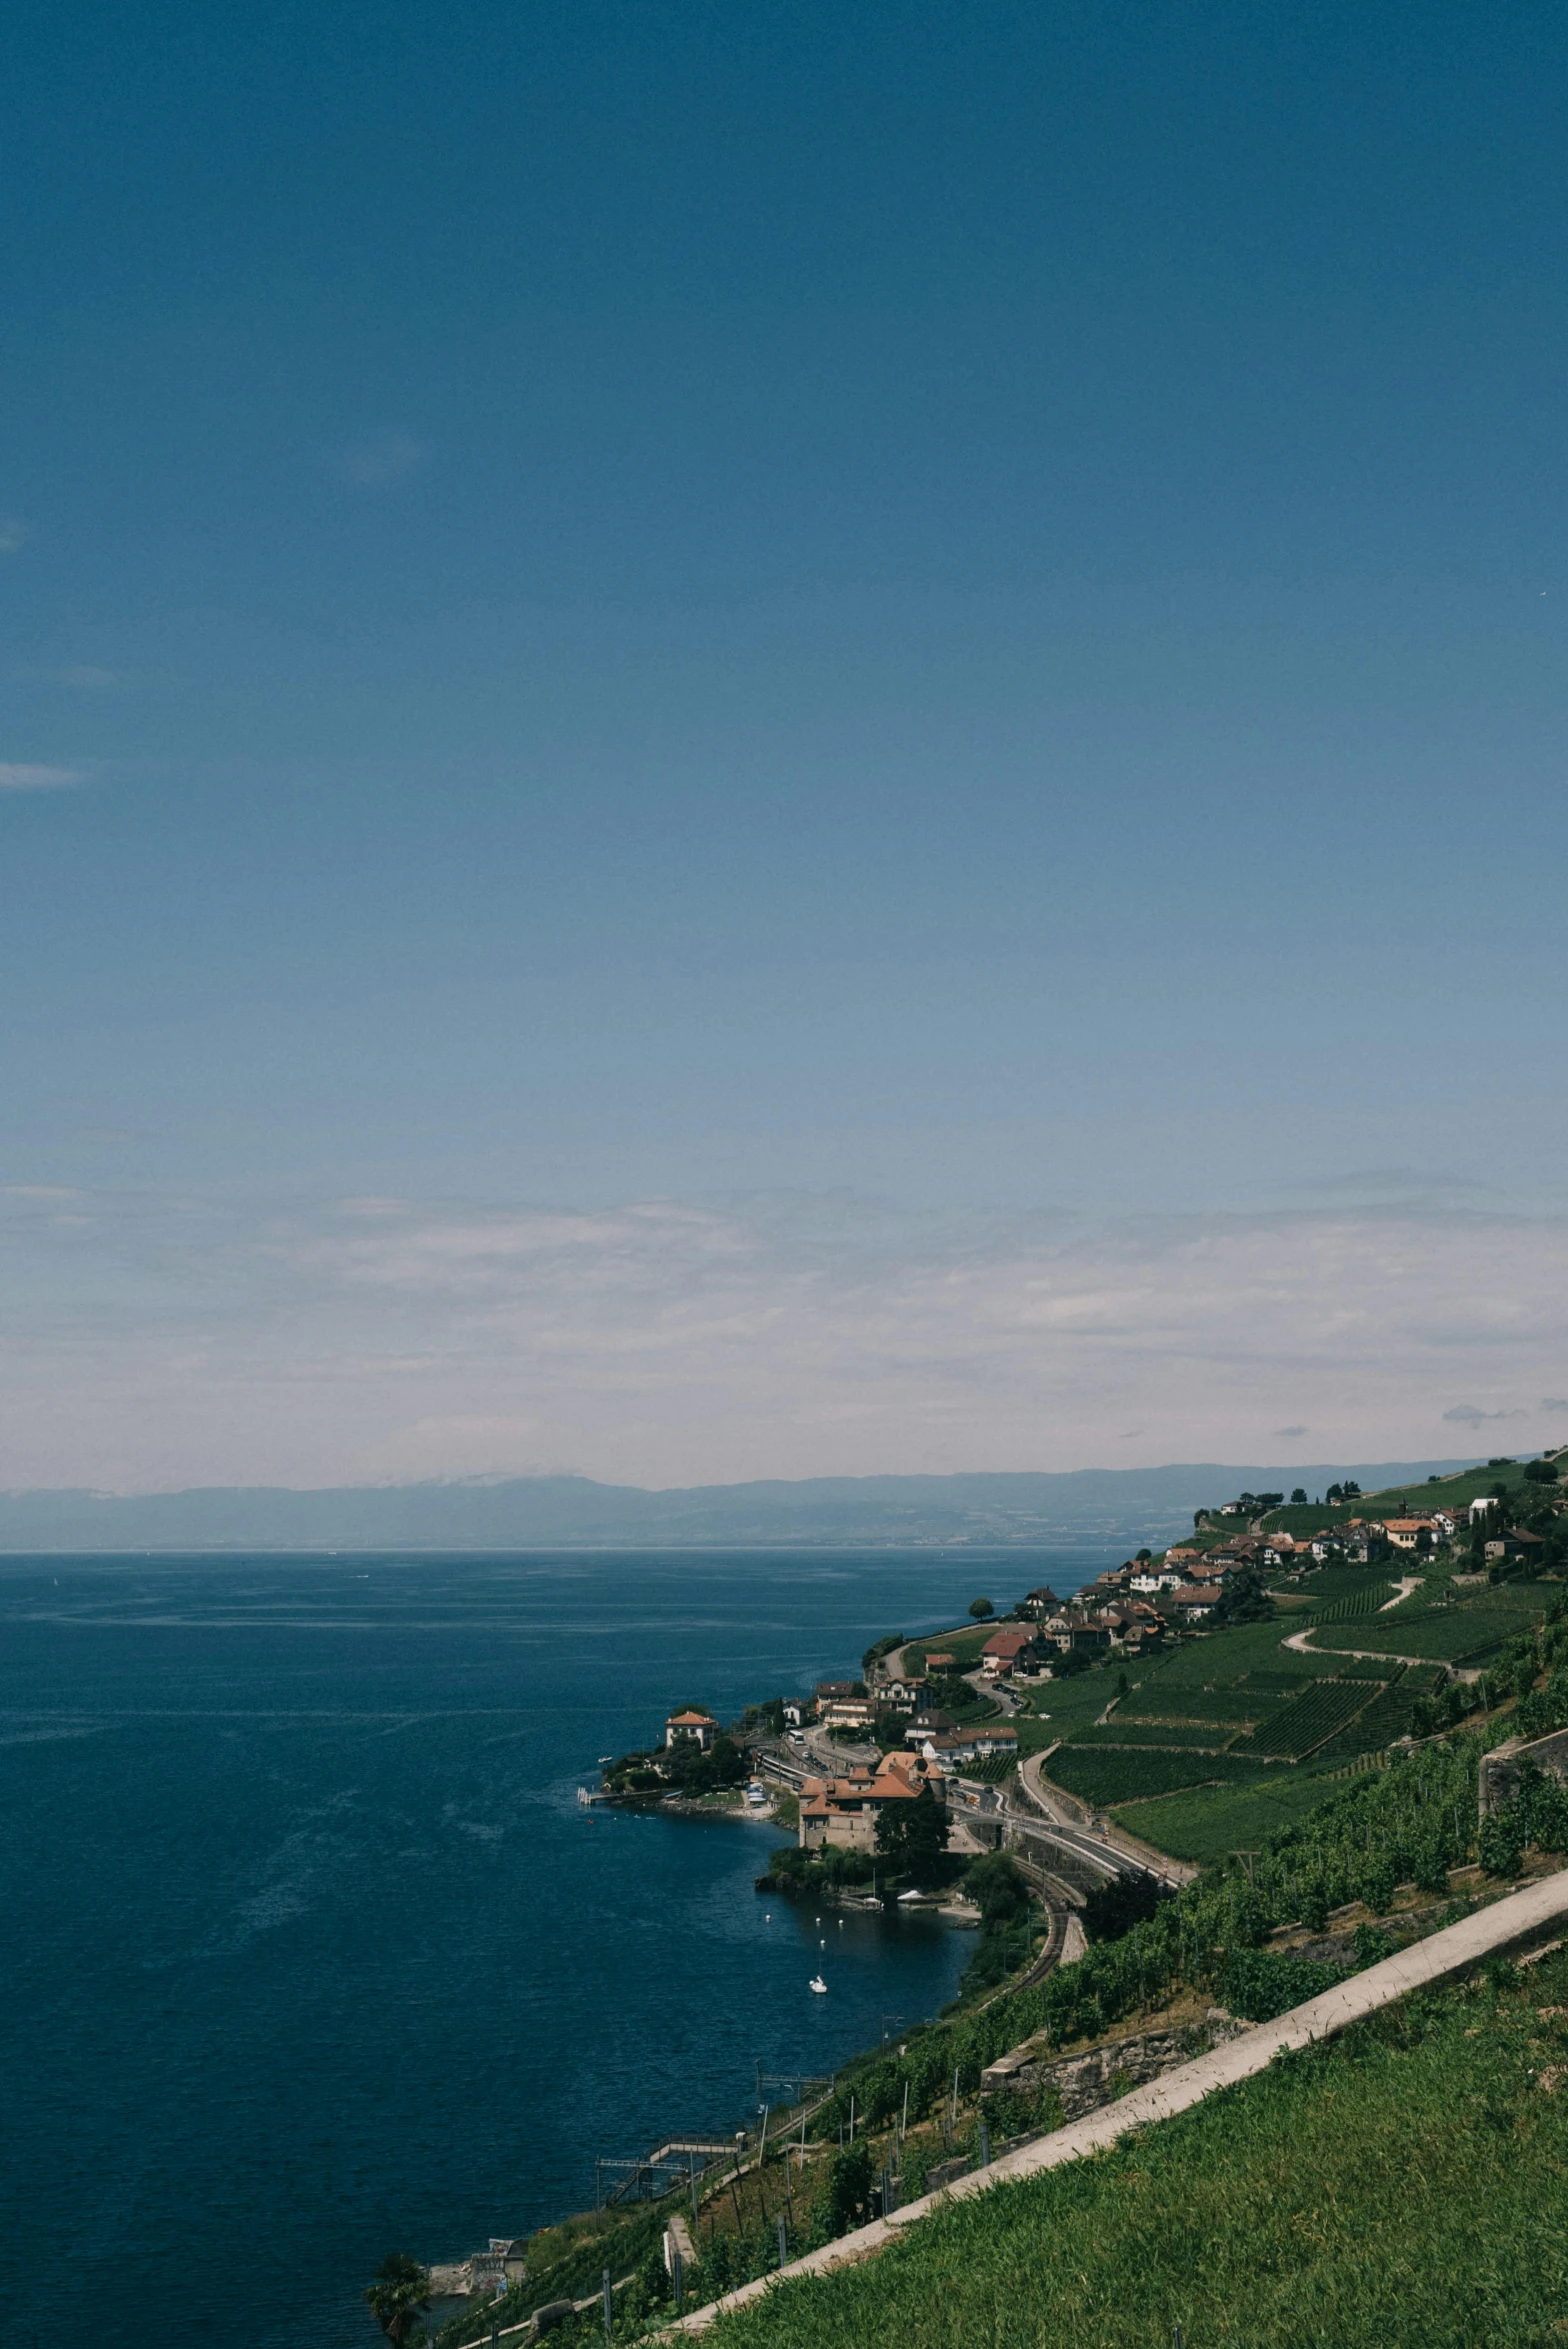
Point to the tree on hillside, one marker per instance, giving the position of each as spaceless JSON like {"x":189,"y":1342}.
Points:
{"x":980,"y":1608}
{"x":1298,"y":1499}
{"x":845,"y":2197}
{"x":1113,"y":1909}
{"x":998,"y":1887}
{"x":1244,"y":1600}
{"x":913,"y":1835}
{"x":399,"y":2296}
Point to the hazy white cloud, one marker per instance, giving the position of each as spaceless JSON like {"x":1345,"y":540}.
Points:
{"x":379,"y":459}
{"x":1466,"y":1415}
{"x":29,"y":778}
{"x":666,"y":1342}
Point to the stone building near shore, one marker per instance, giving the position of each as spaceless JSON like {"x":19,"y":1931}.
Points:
{"x":843,"y":1811}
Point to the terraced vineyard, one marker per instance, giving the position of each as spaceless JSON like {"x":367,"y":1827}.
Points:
{"x":1355,"y":1604}
{"x":1385,"y":1718}
{"x":1178,"y":1736}
{"x":1251,"y":1652}
{"x":1233,"y":1706}
{"x":1452,"y":1634}
{"x":1104,"y":1777}
{"x":1330,"y":1584}
{"x":1233,"y":1726}
{"x":1304,"y":1723}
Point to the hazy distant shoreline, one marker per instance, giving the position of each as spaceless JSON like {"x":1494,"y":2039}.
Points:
{"x":979,"y":1511}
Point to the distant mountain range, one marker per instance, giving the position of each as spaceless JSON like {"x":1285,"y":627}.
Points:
{"x":1131,"y":1505}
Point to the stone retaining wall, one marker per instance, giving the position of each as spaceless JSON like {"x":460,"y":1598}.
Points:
{"x":1498,"y":1776}
{"x":1085,"y":2082}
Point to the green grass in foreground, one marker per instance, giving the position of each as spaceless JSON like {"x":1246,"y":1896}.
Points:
{"x":1400,"y":2188}
{"x":1214,"y":1820}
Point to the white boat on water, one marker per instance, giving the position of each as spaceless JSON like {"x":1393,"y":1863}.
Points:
{"x":819,"y":1986}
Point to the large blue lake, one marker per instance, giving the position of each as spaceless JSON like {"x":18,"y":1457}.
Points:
{"x":309,"y":1951}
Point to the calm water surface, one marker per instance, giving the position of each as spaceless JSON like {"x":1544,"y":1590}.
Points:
{"x":310,"y":1952}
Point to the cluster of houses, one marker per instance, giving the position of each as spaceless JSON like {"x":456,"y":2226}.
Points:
{"x":1130,"y":1608}
{"x":842,"y":1809}
{"x":1365,"y":1541}
{"x":1133,"y":1606}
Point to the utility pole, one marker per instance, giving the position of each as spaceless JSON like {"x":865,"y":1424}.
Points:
{"x":609,"y":2304}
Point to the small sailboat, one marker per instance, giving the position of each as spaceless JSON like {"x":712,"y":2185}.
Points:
{"x":819,"y":1986}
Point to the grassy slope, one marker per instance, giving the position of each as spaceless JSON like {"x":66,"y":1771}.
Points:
{"x":1401,"y":1500}
{"x":964,"y":1645}
{"x":1401,"y":2188}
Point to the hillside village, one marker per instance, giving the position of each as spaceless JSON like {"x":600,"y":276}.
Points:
{"x":1111,"y":1685}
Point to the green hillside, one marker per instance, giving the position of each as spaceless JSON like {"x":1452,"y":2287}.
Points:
{"x":1407,"y":1500}
{"x":1400,"y":2188}
{"x":1193,"y":1747}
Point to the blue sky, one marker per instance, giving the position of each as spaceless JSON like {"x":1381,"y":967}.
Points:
{"x":917,"y":653}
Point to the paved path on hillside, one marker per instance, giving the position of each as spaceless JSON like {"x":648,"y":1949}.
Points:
{"x":1301,"y":1641}
{"x":1512,"y":1924}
